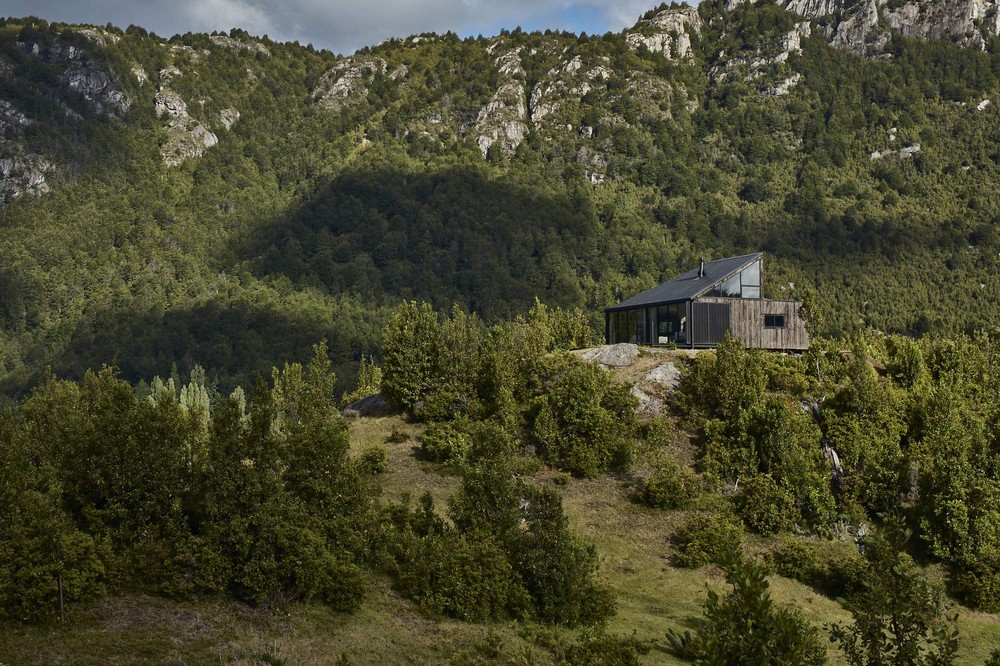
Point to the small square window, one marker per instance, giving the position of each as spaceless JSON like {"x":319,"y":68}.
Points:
{"x":774,"y":321}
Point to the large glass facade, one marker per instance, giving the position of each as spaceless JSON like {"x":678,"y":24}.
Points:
{"x":649,"y":326}
{"x":745,"y":284}
{"x":671,"y":324}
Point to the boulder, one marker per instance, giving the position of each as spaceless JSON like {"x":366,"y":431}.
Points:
{"x":666,"y":375}
{"x":648,"y":405}
{"x":620,"y":355}
{"x":373,"y":405}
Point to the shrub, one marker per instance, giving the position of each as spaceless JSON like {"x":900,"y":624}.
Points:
{"x":746,"y":627}
{"x":766,"y":507}
{"x":977,"y":584}
{"x":444,"y":443}
{"x":463,"y":576}
{"x":598,"y":648}
{"x":795,"y":560}
{"x":374,"y":460}
{"x":708,"y":537}
{"x":833,"y":568}
{"x":670,"y":487}
{"x":582,"y":421}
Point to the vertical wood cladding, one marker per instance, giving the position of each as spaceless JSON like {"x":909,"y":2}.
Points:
{"x":746,"y":322}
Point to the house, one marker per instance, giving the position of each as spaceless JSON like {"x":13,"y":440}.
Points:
{"x":696,"y":310}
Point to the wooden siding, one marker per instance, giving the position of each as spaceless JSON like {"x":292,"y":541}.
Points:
{"x":746,"y":322}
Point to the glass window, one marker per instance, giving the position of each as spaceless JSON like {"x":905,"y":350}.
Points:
{"x":622,"y":335}
{"x":640,"y":326}
{"x":630,"y":326}
{"x":751,"y":292}
{"x":731,"y":287}
{"x":774,"y":321}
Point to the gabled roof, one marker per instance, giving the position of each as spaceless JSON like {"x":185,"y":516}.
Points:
{"x":689,"y":285}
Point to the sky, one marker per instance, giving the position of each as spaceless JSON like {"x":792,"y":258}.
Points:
{"x":341,"y":25}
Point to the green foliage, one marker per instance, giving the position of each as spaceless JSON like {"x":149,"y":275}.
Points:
{"x":598,"y":648}
{"x":581,"y":420}
{"x":897,"y":614}
{"x":670,"y":486}
{"x":510,"y":552}
{"x":745,"y":626}
{"x":444,"y":443}
{"x":707,"y":537}
{"x":369,"y":382}
{"x":765,"y":507}
{"x":374,"y":460}
{"x":834,"y":568}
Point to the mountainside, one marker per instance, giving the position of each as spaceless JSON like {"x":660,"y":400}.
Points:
{"x":226,"y":200}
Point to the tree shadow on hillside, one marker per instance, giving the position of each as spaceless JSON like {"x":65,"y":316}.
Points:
{"x":236,"y":342}
{"x":454,"y":235}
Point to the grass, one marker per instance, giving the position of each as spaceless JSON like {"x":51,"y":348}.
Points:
{"x":633,"y":541}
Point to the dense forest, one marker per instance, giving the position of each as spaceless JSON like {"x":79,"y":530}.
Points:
{"x":183,"y":220}
{"x":483,"y":172}
{"x":174,"y":489}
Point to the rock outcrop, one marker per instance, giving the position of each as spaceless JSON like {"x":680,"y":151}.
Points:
{"x":620,"y":355}
{"x":230,"y":43}
{"x":186,"y":137}
{"x":21,"y":172}
{"x":84,"y":75}
{"x":668,"y":32}
{"x":347,"y":83}
{"x":502,"y":121}
{"x":866,"y":27}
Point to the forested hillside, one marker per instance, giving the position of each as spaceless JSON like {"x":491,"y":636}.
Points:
{"x":226,"y":200}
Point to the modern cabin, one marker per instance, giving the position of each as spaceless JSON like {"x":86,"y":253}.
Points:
{"x":698,"y":308}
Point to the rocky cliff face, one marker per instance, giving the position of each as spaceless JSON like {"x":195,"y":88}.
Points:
{"x":865,"y":27}
{"x":668,"y":32}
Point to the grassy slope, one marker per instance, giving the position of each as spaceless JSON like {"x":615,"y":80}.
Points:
{"x":633,"y":542}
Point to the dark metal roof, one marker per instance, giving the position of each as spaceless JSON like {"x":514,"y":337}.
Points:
{"x":688,"y":286}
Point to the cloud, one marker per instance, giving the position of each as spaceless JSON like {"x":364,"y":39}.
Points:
{"x":341,"y":25}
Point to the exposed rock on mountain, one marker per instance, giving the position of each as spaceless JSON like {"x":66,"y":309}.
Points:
{"x":502,"y":120}
{"x":82,"y":74}
{"x":865,"y":27}
{"x":230,"y":43}
{"x":668,"y":32}
{"x":347,"y":83}
{"x":22,"y":174}
{"x":186,"y":137}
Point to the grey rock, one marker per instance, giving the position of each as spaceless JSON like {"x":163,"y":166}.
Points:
{"x":669,"y":32}
{"x":620,"y":355}
{"x":347,"y":83}
{"x":648,"y":405}
{"x":502,"y":121}
{"x":230,"y":43}
{"x":373,"y":405}
{"x":666,"y":375}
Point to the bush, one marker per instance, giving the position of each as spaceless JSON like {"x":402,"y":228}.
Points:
{"x":746,"y":627}
{"x":582,"y":420}
{"x":708,"y":537}
{"x":766,"y":507}
{"x":598,"y":648}
{"x":397,"y":437}
{"x":795,"y":560}
{"x":374,"y":460}
{"x":670,"y":487}
{"x":462,"y":576}
{"x":977,"y":585}
{"x":833,"y":568}
{"x":444,"y":443}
